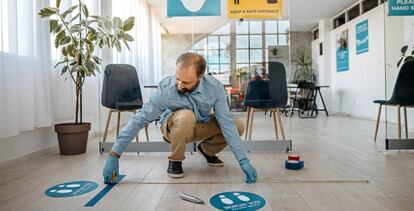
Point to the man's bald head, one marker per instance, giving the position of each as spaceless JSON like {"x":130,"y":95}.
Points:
{"x":190,"y":61}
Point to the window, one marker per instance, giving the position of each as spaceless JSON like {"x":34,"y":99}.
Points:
{"x":250,"y":39}
{"x":338,"y":21}
{"x":368,"y":5}
{"x":216,"y":50}
{"x":353,"y":12}
{"x":315,"y":34}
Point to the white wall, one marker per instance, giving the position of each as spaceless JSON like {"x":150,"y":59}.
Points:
{"x":27,"y":142}
{"x":354,"y":91}
{"x":371,"y":75}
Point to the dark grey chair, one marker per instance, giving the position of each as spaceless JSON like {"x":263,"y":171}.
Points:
{"x":121,"y":92}
{"x":270,"y":95}
{"x":402,"y":97}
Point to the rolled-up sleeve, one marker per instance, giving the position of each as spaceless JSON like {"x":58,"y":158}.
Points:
{"x":227,"y":125}
{"x":150,"y":111}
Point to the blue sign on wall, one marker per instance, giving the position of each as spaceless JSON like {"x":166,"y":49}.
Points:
{"x":400,"y":7}
{"x":193,"y":8}
{"x":342,"y":60}
{"x":71,"y":189}
{"x":362,"y":37}
{"x":237,"y":201}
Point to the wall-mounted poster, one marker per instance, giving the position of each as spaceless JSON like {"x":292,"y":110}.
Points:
{"x":400,"y":7}
{"x":254,"y":8}
{"x":342,"y":52}
{"x":362,"y":37}
{"x":176,"y":8}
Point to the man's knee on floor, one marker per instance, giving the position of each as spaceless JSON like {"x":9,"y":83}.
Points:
{"x":184,"y":117}
{"x":239,"y":125}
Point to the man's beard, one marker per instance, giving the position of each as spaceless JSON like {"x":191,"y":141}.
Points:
{"x":185,"y":90}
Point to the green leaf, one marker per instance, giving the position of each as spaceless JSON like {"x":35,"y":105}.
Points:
{"x":128,"y":37}
{"x":57,"y":64}
{"x":404,"y":49}
{"x":64,"y":70}
{"x":47,"y":12}
{"x":53,"y":25}
{"x":85,"y":10}
{"x":64,"y":51}
{"x":129,"y":23}
{"x":68,"y":11}
{"x":58,"y":29}
{"x":117,"y":45}
{"x":126,"y":44}
{"x":58,"y":3}
{"x":117,"y":23}
{"x":75,"y":28}
{"x":65,"y":40}
{"x":399,"y":62}
{"x":408,"y":59}
{"x":75,"y":17}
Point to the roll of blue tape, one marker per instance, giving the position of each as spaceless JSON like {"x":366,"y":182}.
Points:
{"x":294,"y":164}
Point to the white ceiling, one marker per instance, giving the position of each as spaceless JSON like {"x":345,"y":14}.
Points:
{"x":304,"y":15}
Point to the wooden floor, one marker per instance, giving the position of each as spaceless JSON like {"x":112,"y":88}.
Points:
{"x":334,"y":148}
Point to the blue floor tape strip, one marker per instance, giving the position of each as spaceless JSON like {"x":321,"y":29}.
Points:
{"x":103,"y":192}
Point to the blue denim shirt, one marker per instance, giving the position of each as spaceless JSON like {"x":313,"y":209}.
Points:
{"x":210,"y":94}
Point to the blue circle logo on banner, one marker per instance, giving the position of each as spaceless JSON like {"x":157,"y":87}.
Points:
{"x":71,"y":189}
{"x":237,"y":201}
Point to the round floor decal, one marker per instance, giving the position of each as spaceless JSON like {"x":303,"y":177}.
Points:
{"x":237,"y":201}
{"x":71,"y":189}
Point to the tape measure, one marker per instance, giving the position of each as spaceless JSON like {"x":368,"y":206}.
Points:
{"x":294,"y":162}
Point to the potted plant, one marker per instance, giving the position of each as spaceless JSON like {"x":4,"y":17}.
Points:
{"x":274,"y":51}
{"x":77,"y":35}
{"x":304,"y":71}
{"x":404,"y":57}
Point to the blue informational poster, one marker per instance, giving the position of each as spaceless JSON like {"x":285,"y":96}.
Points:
{"x":342,"y":52}
{"x":400,"y":7}
{"x":176,"y":8}
{"x":237,"y":201}
{"x":70,"y":189}
{"x":362,"y":41}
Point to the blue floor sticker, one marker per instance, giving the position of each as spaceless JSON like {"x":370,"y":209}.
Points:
{"x":70,"y":189}
{"x":237,"y":201}
{"x":103,"y":192}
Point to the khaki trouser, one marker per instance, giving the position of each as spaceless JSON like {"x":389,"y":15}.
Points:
{"x":181,"y":128}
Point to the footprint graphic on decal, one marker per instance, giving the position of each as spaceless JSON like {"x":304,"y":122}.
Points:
{"x":64,"y":188}
{"x":242,"y":197}
{"x":226,"y":200}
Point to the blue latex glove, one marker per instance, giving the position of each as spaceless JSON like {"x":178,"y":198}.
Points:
{"x":111,"y":165}
{"x":249,"y":171}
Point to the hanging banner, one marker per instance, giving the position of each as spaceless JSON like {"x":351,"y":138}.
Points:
{"x":342,"y":52}
{"x":400,"y":7}
{"x":254,"y":9}
{"x":176,"y":8}
{"x":362,"y":37}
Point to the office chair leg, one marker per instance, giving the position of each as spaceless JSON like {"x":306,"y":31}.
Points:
{"x":247,"y":123}
{"x":275,"y":123}
{"x":281,"y":124}
{"x":406,"y":122}
{"x":108,"y":120}
{"x":399,"y":120}
{"x":117,"y":125}
{"x":378,"y":121}
{"x":146,"y":132}
{"x":251,"y":123}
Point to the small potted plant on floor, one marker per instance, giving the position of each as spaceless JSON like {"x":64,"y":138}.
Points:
{"x":77,"y":35}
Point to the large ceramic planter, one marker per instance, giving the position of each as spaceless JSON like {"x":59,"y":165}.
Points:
{"x":73,"y":138}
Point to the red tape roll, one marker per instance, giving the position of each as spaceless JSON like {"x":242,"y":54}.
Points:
{"x":294,"y":157}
